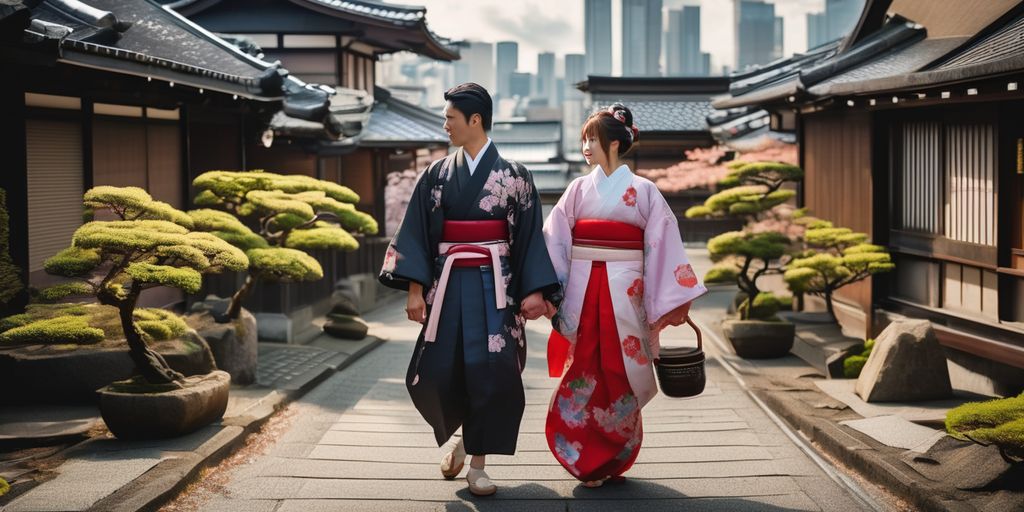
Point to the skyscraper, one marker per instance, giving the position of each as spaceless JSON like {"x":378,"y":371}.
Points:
{"x":641,"y":37}
{"x":597,"y":34}
{"x":838,"y":19}
{"x":546,"y":79}
{"x":682,"y":52}
{"x":777,"y":47}
{"x":519,"y":84}
{"x":575,"y":72}
{"x":755,"y":32}
{"x":507,"y":61}
{"x":476,"y":64}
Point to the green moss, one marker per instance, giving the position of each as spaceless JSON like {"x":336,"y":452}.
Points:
{"x":853,"y":365}
{"x":285,"y":264}
{"x":1009,"y":437}
{"x":4,"y":487}
{"x":962,"y":421}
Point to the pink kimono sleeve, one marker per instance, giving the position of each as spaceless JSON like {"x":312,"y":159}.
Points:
{"x":669,"y":280}
{"x":558,"y":233}
{"x":558,"y":238}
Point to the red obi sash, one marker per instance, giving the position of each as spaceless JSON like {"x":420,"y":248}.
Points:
{"x":473,"y":231}
{"x":607,"y":233}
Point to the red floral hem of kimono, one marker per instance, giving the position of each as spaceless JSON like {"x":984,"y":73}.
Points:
{"x":593,"y":424}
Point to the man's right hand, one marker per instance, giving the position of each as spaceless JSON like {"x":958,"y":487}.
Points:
{"x":415,"y":306}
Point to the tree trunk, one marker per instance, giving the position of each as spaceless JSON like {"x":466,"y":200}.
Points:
{"x":235,"y":307}
{"x":148,"y":362}
{"x":828,"y":305}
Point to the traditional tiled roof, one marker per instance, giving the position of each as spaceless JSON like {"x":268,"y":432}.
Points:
{"x":409,"y":30}
{"x":1004,"y":43}
{"x":395,"y":123}
{"x":666,"y":115}
{"x":905,"y":60}
{"x":791,"y":81}
{"x":138,"y":37}
{"x":141,"y":38}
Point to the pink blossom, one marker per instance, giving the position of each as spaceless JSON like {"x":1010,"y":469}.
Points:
{"x":495,"y":342}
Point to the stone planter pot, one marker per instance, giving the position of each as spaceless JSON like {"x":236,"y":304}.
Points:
{"x":759,"y":339}
{"x":174,"y":413}
{"x":43,"y":374}
{"x":235,"y":345}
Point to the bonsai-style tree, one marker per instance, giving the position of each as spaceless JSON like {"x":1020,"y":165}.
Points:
{"x":291,"y":214}
{"x":10,"y":275}
{"x":835,"y":257}
{"x":752,"y":191}
{"x":999,"y":422}
{"x":743,"y":258}
{"x":151,"y":244}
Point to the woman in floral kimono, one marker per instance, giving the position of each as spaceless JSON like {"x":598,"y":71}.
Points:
{"x":472,"y":228}
{"x":618,"y":254}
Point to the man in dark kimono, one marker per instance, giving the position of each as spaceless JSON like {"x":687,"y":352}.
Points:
{"x":471,"y":254}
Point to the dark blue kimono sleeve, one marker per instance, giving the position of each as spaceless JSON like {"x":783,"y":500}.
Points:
{"x":531,"y":264}
{"x":409,"y":256}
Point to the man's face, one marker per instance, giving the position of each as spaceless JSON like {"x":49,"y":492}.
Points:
{"x":455,"y":124}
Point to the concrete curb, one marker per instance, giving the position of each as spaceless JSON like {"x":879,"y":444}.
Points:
{"x":167,"y":479}
{"x":858,"y":454}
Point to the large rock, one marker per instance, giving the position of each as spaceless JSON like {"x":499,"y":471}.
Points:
{"x":148,"y":415}
{"x":906,"y":365}
{"x":346,"y":327}
{"x":235,"y":345}
{"x":49,"y":374}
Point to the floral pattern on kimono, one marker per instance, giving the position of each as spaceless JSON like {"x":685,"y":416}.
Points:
{"x":640,"y":293}
{"x":489,"y":340}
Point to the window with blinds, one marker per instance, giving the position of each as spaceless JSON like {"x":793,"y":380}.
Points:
{"x":920,"y":183}
{"x":970,"y":210}
{"x":54,"y":153}
{"x":947,"y":181}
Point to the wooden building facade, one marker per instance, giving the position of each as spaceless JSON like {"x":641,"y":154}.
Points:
{"x":918,"y":142}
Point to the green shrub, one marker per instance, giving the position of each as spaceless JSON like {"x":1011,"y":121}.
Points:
{"x":75,"y":324}
{"x":10,"y":274}
{"x":62,"y":329}
{"x":998,"y":422}
{"x":151,"y":245}
{"x":293,"y":214}
{"x":4,"y":487}
{"x":853,"y":365}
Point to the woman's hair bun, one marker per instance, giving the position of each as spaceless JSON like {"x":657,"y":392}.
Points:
{"x":625,"y":116}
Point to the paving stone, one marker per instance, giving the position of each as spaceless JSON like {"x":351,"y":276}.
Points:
{"x":897,"y":432}
{"x":84,"y":481}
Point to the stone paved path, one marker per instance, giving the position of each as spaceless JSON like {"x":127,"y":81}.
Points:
{"x":357,"y":443}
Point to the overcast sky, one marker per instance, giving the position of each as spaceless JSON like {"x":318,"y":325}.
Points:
{"x":557,"y":25}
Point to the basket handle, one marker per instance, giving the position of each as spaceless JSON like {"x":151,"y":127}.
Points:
{"x":700,"y":342}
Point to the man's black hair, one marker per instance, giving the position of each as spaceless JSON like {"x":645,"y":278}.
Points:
{"x":471,"y":98}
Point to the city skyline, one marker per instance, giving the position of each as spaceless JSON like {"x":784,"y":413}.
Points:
{"x":539,"y":30}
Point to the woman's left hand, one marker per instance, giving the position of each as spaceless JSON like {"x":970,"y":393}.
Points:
{"x":675,"y":317}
